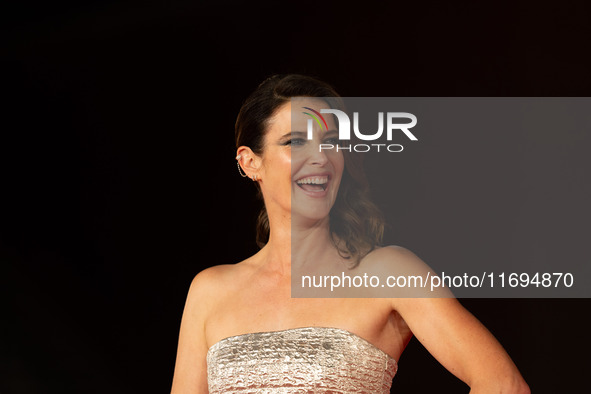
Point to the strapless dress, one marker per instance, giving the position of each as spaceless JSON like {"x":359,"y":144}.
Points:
{"x":299,"y":360}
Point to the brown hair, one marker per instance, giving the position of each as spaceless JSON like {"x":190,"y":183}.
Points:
{"x":356,"y":224}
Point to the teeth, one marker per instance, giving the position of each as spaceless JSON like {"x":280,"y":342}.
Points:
{"x":317,"y":180}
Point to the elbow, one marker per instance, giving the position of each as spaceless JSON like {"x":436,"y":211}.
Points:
{"x":523,"y":388}
{"x":517,"y":385}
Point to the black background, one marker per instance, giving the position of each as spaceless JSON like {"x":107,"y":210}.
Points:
{"x":119,"y":182}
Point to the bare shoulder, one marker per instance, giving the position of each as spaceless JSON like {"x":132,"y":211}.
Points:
{"x":210,"y":278}
{"x":407,"y":274}
{"x":394,"y":259}
{"x":204,"y":293}
{"x":218,"y":279}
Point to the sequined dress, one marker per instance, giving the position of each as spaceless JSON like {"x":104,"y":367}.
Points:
{"x":299,"y":360}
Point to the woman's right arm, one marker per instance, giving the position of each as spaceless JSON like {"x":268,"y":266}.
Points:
{"x":190,"y":372}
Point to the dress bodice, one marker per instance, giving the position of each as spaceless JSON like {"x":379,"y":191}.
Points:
{"x":299,"y":360}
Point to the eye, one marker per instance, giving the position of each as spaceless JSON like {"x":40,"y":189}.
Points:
{"x":332,"y":140}
{"x":295,"y":141}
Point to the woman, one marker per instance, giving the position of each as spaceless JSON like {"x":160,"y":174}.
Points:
{"x":241,"y":329}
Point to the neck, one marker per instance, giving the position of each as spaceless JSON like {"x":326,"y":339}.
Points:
{"x":309,"y":238}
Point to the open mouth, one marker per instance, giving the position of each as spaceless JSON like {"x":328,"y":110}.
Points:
{"x":313,"y":183}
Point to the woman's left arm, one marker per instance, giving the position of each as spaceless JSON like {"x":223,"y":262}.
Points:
{"x":457,"y":339}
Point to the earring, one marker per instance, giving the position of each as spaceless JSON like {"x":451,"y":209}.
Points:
{"x":243,"y":175}
{"x":255,"y":178}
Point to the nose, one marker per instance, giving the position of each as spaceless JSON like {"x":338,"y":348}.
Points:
{"x":317,"y":156}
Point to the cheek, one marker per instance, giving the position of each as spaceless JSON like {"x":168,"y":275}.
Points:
{"x":338,"y":162}
{"x":296,"y":162}
{"x":284,"y":164}
{"x":278,"y":169}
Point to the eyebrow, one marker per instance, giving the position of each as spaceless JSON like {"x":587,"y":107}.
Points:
{"x":294,"y":133}
{"x":305,"y":134}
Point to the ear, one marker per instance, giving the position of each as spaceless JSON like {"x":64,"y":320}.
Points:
{"x":249,"y":161}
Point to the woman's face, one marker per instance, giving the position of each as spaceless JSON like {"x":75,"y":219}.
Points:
{"x":297,"y":176}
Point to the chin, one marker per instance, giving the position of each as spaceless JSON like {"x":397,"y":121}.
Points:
{"x":309,"y":214}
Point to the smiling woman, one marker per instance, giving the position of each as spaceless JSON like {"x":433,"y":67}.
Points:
{"x":269,"y":105}
{"x":242,"y":331}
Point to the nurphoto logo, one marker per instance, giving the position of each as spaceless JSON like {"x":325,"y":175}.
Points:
{"x":344,"y":125}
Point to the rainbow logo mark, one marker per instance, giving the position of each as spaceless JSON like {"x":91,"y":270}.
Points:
{"x":313,"y":115}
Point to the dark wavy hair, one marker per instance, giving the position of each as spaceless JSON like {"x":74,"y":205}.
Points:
{"x":356,"y":224}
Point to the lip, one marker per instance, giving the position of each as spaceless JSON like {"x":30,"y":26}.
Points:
{"x":317,"y":194}
{"x":315,"y":174}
